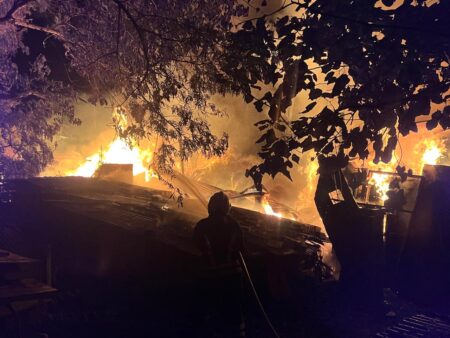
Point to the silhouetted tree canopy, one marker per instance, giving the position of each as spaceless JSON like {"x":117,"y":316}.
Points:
{"x":367,"y":72}
{"x":159,"y":61}
{"x":33,"y":106}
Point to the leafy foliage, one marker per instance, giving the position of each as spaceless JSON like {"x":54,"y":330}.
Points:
{"x":159,"y":61}
{"x":33,"y":107}
{"x":162,"y":60}
{"x":368,"y":72}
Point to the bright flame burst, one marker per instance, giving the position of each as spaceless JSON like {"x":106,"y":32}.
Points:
{"x":118,"y":152}
{"x":432,"y":150}
{"x":381,"y":183}
{"x":268,"y":208}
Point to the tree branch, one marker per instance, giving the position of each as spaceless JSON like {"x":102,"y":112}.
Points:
{"x":16,"y":6}
{"x":28,"y":25}
{"x":268,"y":15}
{"x":22,"y":96}
{"x":10,"y":16}
{"x":143,"y":45}
{"x":422,"y":30}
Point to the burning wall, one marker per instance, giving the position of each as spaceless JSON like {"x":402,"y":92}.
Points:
{"x":82,"y":149}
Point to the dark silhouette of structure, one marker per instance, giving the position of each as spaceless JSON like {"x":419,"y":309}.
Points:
{"x":356,"y":235}
{"x":115,"y":172}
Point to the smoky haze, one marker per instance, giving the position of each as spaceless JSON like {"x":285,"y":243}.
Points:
{"x":77,"y":143}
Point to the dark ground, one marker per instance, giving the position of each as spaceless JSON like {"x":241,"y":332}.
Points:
{"x":123,"y":309}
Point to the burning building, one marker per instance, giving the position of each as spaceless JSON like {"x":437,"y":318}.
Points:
{"x":99,"y":229}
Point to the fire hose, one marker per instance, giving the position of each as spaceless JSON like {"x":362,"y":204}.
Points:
{"x":258,"y":300}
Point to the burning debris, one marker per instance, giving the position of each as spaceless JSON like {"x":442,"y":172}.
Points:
{"x":79,"y":207}
{"x":408,"y":222}
{"x":196,"y":97}
{"x":378,"y":186}
{"x":380,"y":177}
{"x":268,"y":208}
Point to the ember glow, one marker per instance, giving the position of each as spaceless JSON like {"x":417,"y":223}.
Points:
{"x":118,"y":152}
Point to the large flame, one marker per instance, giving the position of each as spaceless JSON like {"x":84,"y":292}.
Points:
{"x":381,"y":183}
{"x":117,"y":152}
{"x":433,"y":151}
{"x":268,"y":210}
{"x":427,"y":151}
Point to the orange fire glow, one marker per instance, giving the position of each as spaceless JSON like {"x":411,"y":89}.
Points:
{"x":428,"y":151}
{"x":268,"y":208}
{"x":381,"y":183}
{"x":117,"y":152}
{"x":433,"y":151}
{"x":312,"y":173}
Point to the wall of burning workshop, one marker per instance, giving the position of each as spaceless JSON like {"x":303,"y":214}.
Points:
{"x":78,"y":145}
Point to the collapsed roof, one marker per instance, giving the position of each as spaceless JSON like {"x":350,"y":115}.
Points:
{"x":104,"y":227}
